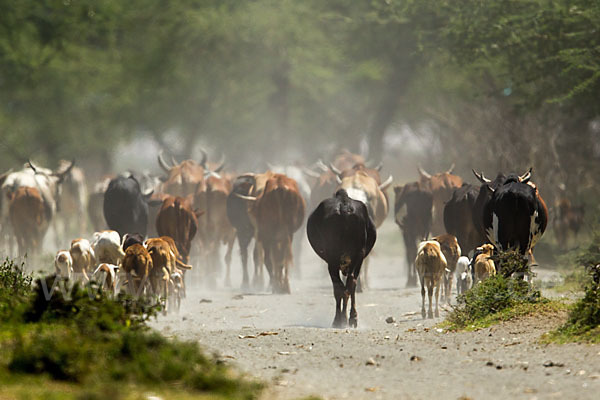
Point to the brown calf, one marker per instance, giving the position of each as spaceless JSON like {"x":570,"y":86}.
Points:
{"x":137,"y":265}
{"x":29,"y":218}
{"x":451,"y":250}
{"x":430,"y":264}
{"x":484,"y":266}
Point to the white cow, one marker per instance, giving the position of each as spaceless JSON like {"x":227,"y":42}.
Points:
{"x":46,"y":181}
{"x":107,"y":247}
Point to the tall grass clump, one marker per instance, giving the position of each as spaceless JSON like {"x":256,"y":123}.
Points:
{"x":499,"y":297}
{"x":584,"y":319}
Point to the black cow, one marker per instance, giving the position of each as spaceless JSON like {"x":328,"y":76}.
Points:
{"x":485,"y":195}
{"x":341,"y":232}
{"x":458,"y":218}
{"x":125,"y":206}
{"x":516,"y":216}
{"x":416,"y":224}
{"x":237,"y":213}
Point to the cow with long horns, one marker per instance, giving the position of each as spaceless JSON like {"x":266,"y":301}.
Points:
{"x":516,"y":216}
{"x":183,"y":178}
{"x":442,"y":186}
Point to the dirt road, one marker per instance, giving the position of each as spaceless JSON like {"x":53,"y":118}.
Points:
{"x":301,"y":355}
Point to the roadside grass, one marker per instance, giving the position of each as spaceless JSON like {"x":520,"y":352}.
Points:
{"x":502,"y":297}
{"x":80,"y":344}
{"x":583,"y":323}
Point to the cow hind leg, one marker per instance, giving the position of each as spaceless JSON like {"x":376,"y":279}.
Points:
{"x":429,"y":296}
{"x":437,"y":299}
{"x":228,"y":263}
{"x":338,"y":292}
{"x":258,"y":281}
{"x":244,"y":256}
{"x":423,"y":298}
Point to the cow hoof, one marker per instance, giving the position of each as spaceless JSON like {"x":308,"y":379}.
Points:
{"x":353,"y":322}
{"x":423,"y":315}
{"x":339,"y":323}
{"x":437,"y":314}
{"x":430,"y":315}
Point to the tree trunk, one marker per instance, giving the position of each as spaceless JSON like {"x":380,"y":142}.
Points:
{"x":386,"y":111}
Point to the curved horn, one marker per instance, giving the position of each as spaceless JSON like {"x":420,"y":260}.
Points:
{"x":174,"y":161}
{"x":423,"y":173}
{"x":321,"y":165}
{"x":311,"y":173}
{"x":338,"y":179}
{"x":334,"y":169}
{"x":451,"y":168}
{"x":220,"y":164}
{"x":241,"y":196}
{"x":480,"y":177}
{"x":526,"y":176}
{"x":32,"y":166}
{"x":204,"y":158}
{"x":62,"y":175}
{"x":387,"y":183}
{"x":163,"y":164}
{"x":379,"y":166}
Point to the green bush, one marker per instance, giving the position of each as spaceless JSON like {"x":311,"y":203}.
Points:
{"x":15,"y":286}
{"x":584,"y":318}
{"x":492,"y":296}
{"x":498,"y":293}
{"x":55,"y":299}
{"x":78,"y":334}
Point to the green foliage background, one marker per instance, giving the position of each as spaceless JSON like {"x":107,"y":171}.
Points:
{"x":515,"y":80}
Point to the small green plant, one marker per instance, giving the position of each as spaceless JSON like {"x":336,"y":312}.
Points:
{"x":13,"y":279}
{"x":498,"y":295}
{"x":15,"y":286}
{"x":584,"y":319}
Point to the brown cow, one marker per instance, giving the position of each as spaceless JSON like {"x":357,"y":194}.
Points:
{"x":137,"y":265}
{"x":451,"y":250}
{"x":29,"y":217}
{"x":278,"y":212}
{"x":442,"y":186}
{"x":214,"y":228}
{"x":177,"y":220}
{"x":183,"y":178}
{"x":345,"y":160}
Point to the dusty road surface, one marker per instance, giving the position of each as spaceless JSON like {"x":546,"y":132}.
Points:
{"x":300,"y":355}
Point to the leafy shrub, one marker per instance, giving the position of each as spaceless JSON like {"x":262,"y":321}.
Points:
{"x":15,"y":285}
{"x":497,"y":293}
{"x":13,"y":279}
{"x":55,"y":299}
{"x":492,"y":296}
{"x":77,"y":333}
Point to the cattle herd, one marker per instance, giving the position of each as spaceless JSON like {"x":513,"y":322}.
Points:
{"x":147,"y":229}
